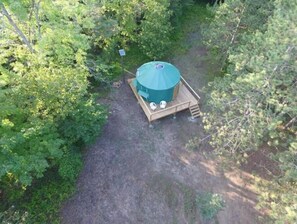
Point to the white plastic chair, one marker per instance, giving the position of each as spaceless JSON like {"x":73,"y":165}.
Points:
{"x":163,"y":104}
{"x":153,"y":106}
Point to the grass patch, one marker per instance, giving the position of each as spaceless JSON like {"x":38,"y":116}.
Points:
{"x":166,"y":188}
{"x":190,"y":208}
{"x":206,"y":204}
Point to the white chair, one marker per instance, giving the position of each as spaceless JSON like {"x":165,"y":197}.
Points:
{"x":153,"y":106}
{"x":163,"y":104}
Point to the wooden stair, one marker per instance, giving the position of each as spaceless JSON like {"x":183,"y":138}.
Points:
{"x":195,"y":111}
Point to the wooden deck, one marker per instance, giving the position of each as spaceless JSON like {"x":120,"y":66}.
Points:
{"x":185,"y":99}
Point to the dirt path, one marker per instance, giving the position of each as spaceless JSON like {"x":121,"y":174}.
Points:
{"x":136,"y":174}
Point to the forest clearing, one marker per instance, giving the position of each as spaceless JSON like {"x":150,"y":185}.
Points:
{"x":80,"y":142}
{"x":137,"y":174}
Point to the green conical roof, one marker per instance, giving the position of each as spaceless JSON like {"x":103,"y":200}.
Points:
{"x":158,"y":75}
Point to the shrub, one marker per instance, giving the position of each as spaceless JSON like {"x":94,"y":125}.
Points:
{"x":209,"y":204}
{"x":11,"y":215}
{"x":45,"y":199}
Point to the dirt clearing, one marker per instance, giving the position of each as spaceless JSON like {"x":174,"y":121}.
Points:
{"x":136,"y":174}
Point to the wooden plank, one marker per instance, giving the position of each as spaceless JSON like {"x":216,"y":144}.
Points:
{"x":188,"y":86}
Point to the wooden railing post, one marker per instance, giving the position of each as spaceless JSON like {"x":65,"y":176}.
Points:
{"x":189,"y":87}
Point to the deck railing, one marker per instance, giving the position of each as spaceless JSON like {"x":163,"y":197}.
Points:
{"x":130,"y":73}
{"x":175,"y":109}
{"x":190,"y":88}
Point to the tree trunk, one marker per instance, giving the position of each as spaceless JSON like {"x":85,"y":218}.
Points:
{"x":16,"y":28}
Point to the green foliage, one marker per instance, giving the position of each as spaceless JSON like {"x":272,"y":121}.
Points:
{"x":70,"y":165}
{"x":84,"y":123}
{"x":209,"y":205}
{"x":45,"y":107}
{"x":255,"y":98}
{"x":148,"y":24}
{"x":12,"y":215}
{"x":254,"y":103}
{"x":231,"y":22}
{"x":45,"y":201}
{"x":49,"y":50}
{"x":134,"y":57}
{"x":155,"y":29}
{"x":193,"y":16}
{"x":280,"y":195}
{"x":42,"y":201}
{"x":179,"y":10}
{"x":190,"y":208}
{"x":102,"y":72}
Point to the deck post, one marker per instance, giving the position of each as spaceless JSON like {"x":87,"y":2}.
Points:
{"x":174,"y":116}
{"x":150,"y":124}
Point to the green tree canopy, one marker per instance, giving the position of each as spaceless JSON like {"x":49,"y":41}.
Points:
{"x":43,"y":87}
{"x":255,"y":102}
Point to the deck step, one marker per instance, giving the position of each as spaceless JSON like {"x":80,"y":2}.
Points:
{"x":195,"y":111}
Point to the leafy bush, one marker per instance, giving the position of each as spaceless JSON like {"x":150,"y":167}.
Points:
{"x":42,"y":201}
{"x":84,"y":123}
{"x":46,"y":199}
{"x":13,"y":216}
{"x":209,"y":204}
{"x":70,"y":165}
{"x":155,"y":29}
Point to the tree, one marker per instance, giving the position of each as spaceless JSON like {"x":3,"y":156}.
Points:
{"x":16,"y":28}
{"x":43,"y":89}
{"x":145,"y":23}
{"x":254,"y":103}
{"x":155,"y":29}
{"x":232,"y":21}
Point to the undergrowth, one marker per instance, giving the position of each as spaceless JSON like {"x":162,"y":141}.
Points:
{"x":209,"y":205}
{"x":193,"y":17}
{"x":42,"y":201}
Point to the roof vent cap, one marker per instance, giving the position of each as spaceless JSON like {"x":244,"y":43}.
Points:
{"x":159,"y":66}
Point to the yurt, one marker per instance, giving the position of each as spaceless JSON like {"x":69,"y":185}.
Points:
{"x":157,"y":81}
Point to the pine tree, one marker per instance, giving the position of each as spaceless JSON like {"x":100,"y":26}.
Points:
{"x":255,"y":103}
